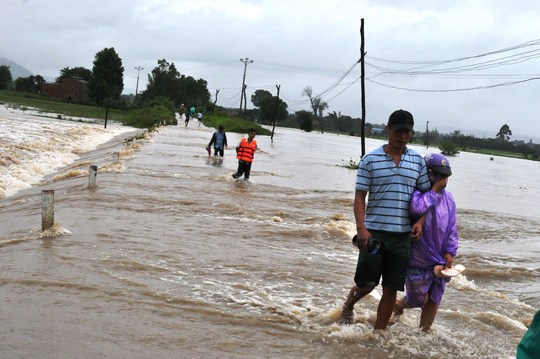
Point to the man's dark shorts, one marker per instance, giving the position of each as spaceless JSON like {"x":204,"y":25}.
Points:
{"x":392,"y":263}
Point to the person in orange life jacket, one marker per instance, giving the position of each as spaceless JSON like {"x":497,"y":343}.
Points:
{"x":245,"y":151}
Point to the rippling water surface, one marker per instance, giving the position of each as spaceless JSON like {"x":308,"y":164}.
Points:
{"x":170,"y":257}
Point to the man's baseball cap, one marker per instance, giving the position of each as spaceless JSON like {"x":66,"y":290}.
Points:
{"x":400,"y":119}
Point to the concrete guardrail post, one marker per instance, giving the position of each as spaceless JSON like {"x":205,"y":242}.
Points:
{"x":92,"y":174}
{"x":47,"y":209}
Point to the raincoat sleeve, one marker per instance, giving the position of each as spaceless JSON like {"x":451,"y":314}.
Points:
{"x":224,"y":139}
{"x":452,"y":244}
{"x":421,"y":202}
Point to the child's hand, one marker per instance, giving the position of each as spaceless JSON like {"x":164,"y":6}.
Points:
{"x":439,"y":185}
{"x":449,"y":261}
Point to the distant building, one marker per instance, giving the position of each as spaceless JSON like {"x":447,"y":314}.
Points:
{"x":73,"y":89}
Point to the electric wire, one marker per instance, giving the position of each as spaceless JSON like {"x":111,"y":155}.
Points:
{"x":457,"y":90}
{"x":439,"y":62}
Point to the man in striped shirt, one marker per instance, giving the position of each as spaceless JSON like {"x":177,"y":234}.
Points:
{"x":389,"y":174}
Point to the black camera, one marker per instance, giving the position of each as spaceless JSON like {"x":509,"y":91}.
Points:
{"x":374,"y":246}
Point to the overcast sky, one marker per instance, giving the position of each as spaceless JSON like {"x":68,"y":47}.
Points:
{"x":309,"y":43}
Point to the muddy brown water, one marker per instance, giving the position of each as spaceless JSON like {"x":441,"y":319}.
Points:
{"x":169,"y":257}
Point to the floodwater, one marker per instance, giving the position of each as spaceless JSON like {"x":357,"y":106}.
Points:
{"x":169,"y":257}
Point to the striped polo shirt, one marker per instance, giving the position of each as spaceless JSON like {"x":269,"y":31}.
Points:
{"x":390,"y":188}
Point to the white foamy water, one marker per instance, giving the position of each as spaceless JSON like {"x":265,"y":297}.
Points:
{"x":32,"y":147}
{"x":169,"y":257}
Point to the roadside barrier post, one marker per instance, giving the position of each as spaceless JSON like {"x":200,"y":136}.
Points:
{"x":47,"y":209}
{"x":92,"y":174}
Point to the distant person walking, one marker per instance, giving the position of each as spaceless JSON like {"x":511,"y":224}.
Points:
{"x":192,"y":112}
{"x":187,"y":118}
{"x":389,"y":174}
{"x":199,"y":115}
{"x":181,"y":112}
{"x":219,"y":140}
{"x":245,"y":152}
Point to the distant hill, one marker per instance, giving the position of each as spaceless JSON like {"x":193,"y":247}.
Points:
{"x":16,"y":69}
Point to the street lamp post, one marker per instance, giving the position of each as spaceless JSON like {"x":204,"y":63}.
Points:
{"x":138,"y":68}
{"x":245,"y":61}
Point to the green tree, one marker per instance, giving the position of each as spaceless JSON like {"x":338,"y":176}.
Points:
{"x":265,"y":103}
{"x":108,"y":76}
{"x":260,"y":97}
{"x":81,"y":72}
{"x":193,"y":92}
{"x":504,"y":133}
{"x":29,"y":84}
{"x":165,"y":80}
{"x":304,"y":120}
{"x":6,"y":80}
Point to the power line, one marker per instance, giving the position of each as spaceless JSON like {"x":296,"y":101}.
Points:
{"x":508,"y":60}
{"x":439,"y":62}
{"x":212,"y":65}
{"x":299,"y":67}
{"x":457,"y":90}
{"x":336,"y":83}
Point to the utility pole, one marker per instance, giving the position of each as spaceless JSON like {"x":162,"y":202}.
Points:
{"x":246,"y":61}
{"x":363,"y":74}
{"x":138,"y":68}
{"x":275,"y":112}
{"x":427,"y":135}
{"x":245,"y":102}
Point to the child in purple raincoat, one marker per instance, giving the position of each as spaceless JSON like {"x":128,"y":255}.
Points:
{"x":437,"y":245}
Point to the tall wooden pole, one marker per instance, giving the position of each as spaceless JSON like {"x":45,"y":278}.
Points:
{"x":363,"y":73}
{"x":138,"y":68}
{"x":245,"y":102}
{"x":214,"y":105}
{"x":275,"y":112}
{"x":246,"y":61}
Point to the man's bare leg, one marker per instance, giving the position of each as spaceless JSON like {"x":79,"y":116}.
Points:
{"x":428,"y":315}
{"x":355,"y":295}
{"x":386,"y":307}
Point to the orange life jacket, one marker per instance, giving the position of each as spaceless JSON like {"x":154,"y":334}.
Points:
{"x":246,"y":151}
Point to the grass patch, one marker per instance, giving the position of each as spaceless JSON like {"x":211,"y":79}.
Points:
{"x":234,"y":124}
{"x":149,"y":117}
{"x":352,"y":164}
{"x":56,"y":106}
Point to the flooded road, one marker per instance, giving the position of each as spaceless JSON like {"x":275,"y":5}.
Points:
{"x":170,"y":257}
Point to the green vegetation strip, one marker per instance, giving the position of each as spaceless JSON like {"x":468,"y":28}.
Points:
{"x":233,"y":124}
{"x":45,"y":105}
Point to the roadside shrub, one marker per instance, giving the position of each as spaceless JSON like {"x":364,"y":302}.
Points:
{"x":352,"y":164}
{"x":148,"y":117}
{"x":234,"y":124}
{"x":161,"y":101}
{"x":449,"y":148}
